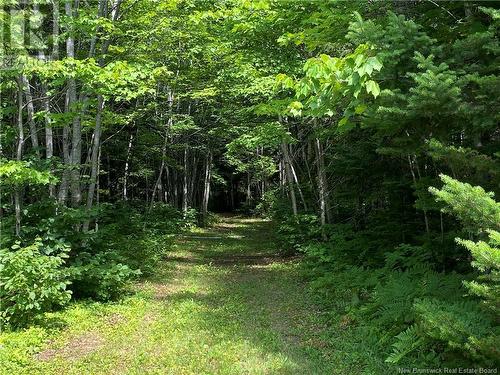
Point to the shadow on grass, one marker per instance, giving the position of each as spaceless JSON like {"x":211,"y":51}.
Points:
{"x":262,"y":306}
{"x":248,"y":294}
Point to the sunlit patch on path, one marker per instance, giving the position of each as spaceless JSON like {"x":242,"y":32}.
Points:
{"x":223,"y":302}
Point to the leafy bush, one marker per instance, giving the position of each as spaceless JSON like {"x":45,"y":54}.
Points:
{"x":165,"y":218}
{"x":130,"y":237}
{"x":297,"y":230}
{"x":142,"y":252}
{"x":100,"y":276}
{"x":419,"y":313}
{"x":31,"y":282}
{"x":266,"y":205}
{"x":405,"y":304}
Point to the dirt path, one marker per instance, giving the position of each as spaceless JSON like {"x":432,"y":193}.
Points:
{"x":223,"y":303}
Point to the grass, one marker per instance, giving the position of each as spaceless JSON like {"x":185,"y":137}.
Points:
{"x":222,"y":303}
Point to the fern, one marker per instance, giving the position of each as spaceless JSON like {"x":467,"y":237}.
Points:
{"x":406,"y":342}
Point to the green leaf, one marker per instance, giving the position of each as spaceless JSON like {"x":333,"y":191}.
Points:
{"x":360,"y":109}
{"x":373,"y":88}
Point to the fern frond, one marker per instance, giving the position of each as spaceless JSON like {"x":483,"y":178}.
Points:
{"x":406,"y":342}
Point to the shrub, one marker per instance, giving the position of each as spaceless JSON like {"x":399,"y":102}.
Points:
{"x":31,"y":282}
{"x":130,"y":237}
{"x":480,"y":214}
{"x":100,"y":276}
{"x":462,"y":325}
{"x":297,"y":230}
{"x":266,"y":206}
{"x":486,"y":257}
{"x":142,"y":252}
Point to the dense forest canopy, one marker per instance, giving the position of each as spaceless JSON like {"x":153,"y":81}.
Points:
{"x":366,"y":130}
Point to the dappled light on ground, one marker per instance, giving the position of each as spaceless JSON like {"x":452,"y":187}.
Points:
{"x":223,"y":302}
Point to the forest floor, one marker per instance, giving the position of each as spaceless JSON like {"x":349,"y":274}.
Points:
{"x":223,"y":302}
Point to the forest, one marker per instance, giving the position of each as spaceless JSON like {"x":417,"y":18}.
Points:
{"x":249,"y":187}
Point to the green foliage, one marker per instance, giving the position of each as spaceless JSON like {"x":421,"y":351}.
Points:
{"x":131,"y":241}
{"x":350,"y":109}
{"x":462,"y":325}
{"x":140,"y":239}
{"x":294,"y":231}
{"x":479,"y":213}
{"x":486,"y":260}
{"x":99,"y":276}
{"x":407,"y":341}
{"x":31,"y":282}
{"x":475,"y":208}
{"x":266,"y":206}
{"x":268,"y":136}
{"x":466,"y":163}
{"x":18,"y":173}
{"x":330,"y":83}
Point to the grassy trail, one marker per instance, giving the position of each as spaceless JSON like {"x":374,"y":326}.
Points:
{"x":223,"y":303}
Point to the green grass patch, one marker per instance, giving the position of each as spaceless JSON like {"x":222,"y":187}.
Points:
{"x":223,"y":302}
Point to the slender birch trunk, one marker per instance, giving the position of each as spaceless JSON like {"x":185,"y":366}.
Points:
{"x":322,"y":186}
{"x":96,"y":145}
{"x":249,"y":189}
{"x":94,"y":159}
{"x":76,"y":136}
{"x":19,"y":155}
{"x":162,"y":165}
{"x":185,"y":183}
{"x":289,"y":177}
{"x":299,"y":189}
{"x":49,"y":134}
{"x":31,"y":114}
{"x":206,"y":188}
{"x":127,"y":167}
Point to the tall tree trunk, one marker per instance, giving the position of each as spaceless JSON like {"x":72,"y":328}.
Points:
{"x":19,"y":156}
{"x":282,"y":175}
{"x":289,"y":177}
{"x":158,"y":182}
{"x":175,"y":185}
{"x":192,"y":181}
{"x":249,"y":189}
{"x":63,"y":187}
{"x":412,"y":163}
{"x":31,"y":114}
{"x":127,"y":167}
{"x":96,"y":145}
{"x":76,"y":136}
{"x":55,"y":30}
{"x":296,"y":180}
{"x":185,"y":183}
{"x":49,"y":134}
{"x":322,"y":186}
{"x":206,"y":188}
{"x":94,"y":159}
